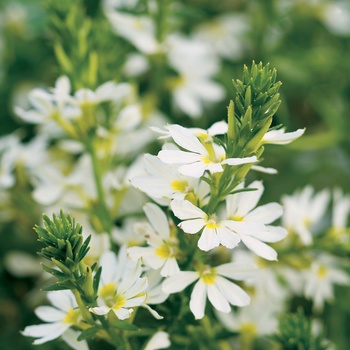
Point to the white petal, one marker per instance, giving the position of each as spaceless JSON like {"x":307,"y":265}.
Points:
{"x":153,"y":312}
{"x":239,"y":161}
{"x":179,"y":282}
{"x":160,"y":340}
{"x":187,"y":102}
{"x":158,"y":219}
{"x":101,"y":310}
{"x":123,"y":314}
{"x":70,"y":337}
{"x":135,"y":301}
{"x":184,"y":138}
{"x":233,"y":293}
{"x":195,"y":169}
{"x":237,"y":271}
{"x":265,"y":214}
{"x":186,"y":210}
{"x":264,"y":169}
{"x":155,"y":187}
{"x":279,"y":137}
{"x":208,"y":240}
{"x":228,"y":238}
{"x":63,"y":299}
{"x":170,"y":268}
{"x":52,"y":335}
{"x":259,"y":247}
{"x":50,"y":314}
{"x":41,"y":330}
{"x":217,"y":299}
{"x":178,"y":157}
{"x":198,"y":299}
{"x":192,"y":226}
{"x":271,"y":234}
{"x":218,"y":128}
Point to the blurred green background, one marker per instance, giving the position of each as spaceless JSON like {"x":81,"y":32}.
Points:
{"x":312,"y":56}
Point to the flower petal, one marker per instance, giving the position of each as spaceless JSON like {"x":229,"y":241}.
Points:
{"x":259,"y":247}
{"x":208,"y":240}
{"x":179,"y":282}
{"x":198,"y":299}
{"x":233,"y":293}
{"x":217,"y":299}
{"x":186,"y":210}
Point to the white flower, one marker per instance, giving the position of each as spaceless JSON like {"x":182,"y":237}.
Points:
{"x":304,"y":211}
{"x":164,"y":181}
{"x":196,"y":64}
{"x":61,"y":317}
{"x":253,"y":221}
{"x":212,"y":284}
{"x":280,"y":137}
{"x":121,"y":286}
{"x":215,"y":232}
{"x":154,"y":292}
{"x":321,"y":277}
{"x":250,"y":320}
{"x":138,"y":30}
{"x":336,"y":17}
{"x":199,"y":158}
{"x":341,"y":211}
{"x":224,"y":35}
{"x":162,"y":249}
{"x":159,"y":340}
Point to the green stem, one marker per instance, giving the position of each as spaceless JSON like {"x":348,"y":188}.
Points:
{"x":85,"y":313}
{"x":104,"y":214}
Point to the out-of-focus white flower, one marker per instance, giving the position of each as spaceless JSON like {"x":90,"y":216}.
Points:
{"x":198,"y":158}
{"x":336,"y":17}
{"x":241,"y":209}
{"x":160,"y":340}
{"x":280,"y":137}
{"x":225,"y":35}
{"x":61,"y":317}
{"x":162,"y":247}
{"x":22,"y":264}
{"x":135,"y":65}
{"x":341,"y":211}
{"x":320,"y":279}
{"x":250,"y":320}
{"x":303,"y":211}
{"x":126,"y":234}
{"x":121,"y":286}
{"x":212,"y":284}
{"x":196,"y":65}
{"x":138,"y":30}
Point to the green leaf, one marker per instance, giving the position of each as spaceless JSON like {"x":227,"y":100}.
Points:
{"x":124,"y":325}
{"x":89,"y":333}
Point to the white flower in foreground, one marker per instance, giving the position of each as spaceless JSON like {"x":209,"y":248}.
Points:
{"x":61,"y":317}
{"x":162,"y":249}
{"x":254,"y":228}
{"x":199,"y":158}
{"x":212,"y":284}
{"x":321,"y":277}
{"x":304,"y":211}
{"x":215,"y":232}
{"x":121,"y":286}
{"x":160,"y":340}
{"x":280,"y":137}
{"x":164,"y":181}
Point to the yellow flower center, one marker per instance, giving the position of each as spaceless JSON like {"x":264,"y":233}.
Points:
{"x":176,"y":82}
{"x":179,"y":185}
{"x":107,"y":291}
{"x":208,"y":276}
{"x":322,"y":272}
{"x":119,"y":302}
{"x":249,"y":329}
{"x":238,"y":218}
{"x":72,"y":317}
{"x":164,"y":251}
{"x":212,"y":224}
